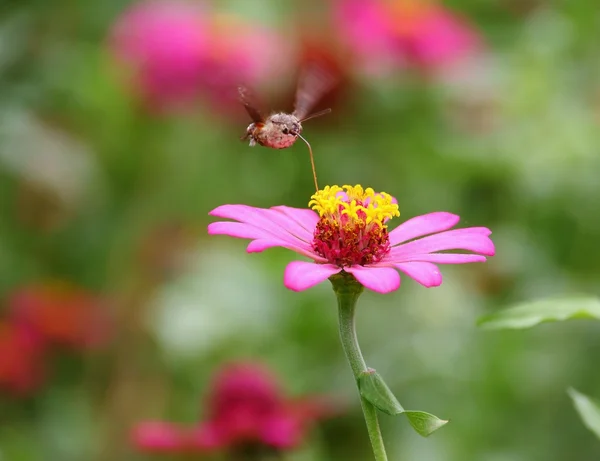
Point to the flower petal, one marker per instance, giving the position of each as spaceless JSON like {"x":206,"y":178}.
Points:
{"x":282,"y":431}
{"x":236,"y":229}
{"x":423,"y":225}
{"x":260,"y":245}
{"x":300,"y":275}
{"x":263,"y":240}
{"x":238,"y":212}
{"x":270,"y":220}
{"x":426,"y":274}
{"x":306,"y":218}
{"x":298,"y":229}
{"x":205,"y":438}
{"x":440,"y":258}
{"x":158,"y":436}
{"x":471,"y":238}
{"x":379,"y":279}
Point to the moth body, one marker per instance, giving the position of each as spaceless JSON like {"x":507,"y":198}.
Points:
{"x":278,"y":131}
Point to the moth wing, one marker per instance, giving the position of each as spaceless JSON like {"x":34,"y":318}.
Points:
{"x":314,"y":82}
{"x":250,"y":102}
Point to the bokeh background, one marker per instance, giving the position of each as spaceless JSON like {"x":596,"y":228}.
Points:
{"x":119,"y":132}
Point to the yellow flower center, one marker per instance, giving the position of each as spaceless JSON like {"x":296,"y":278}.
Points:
{"x":352,"y":229}
{"x":356,"y":203}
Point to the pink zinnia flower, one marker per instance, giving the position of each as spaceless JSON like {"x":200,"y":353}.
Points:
{"x":420,"y":32}
{"x":245,"y":53}
{"x":347,"y":231}
{"x":364,"y":28}
{"x":160,"y":437}
{"x":431,"y":35}
{"x":245,"y":407}
{"x":163,"y":44}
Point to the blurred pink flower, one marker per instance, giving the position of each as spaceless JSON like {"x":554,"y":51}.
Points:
{"x":163,"y":46}
{"x":160,"y":437}
{"x":62,"y":313}
{"x":396,"y":32}
{"x":348,"y":232}
{"x":253,"y":53}
{"x":242,"y":53}
{"x":21,"y":353}
{"x":176,"y":51}
{"x":364,"y":28}
{"x":245,"y":407}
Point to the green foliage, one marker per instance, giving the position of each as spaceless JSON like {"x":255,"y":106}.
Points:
{"x":511,"y":143}
{"x":374,"y":389}
{"x":529,"y":314}
{"x":424,"y":423}
{"x":588,"y":409}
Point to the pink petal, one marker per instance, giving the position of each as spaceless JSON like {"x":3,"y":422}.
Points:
{"x":303,"y":216}
{"x":440,"y":258}
{"x":444,"y":38}
{"x":205,"y":437}
{"x":426,"y":274}
{"x":379,"y":279}
{"x":269,"y":224}
{"x":263,"y":240}
{"x":241,"y":213}
{"x":260,"y":245}
{"x":472,"y":239}
{"x":236,"y":229}
{"x":300,"y":275}
{"x":281,"y":431}
{"x":157,"y":436}
{"x":423,"y":225}
{"x":270,"y":220}
{"x":303,"y":230}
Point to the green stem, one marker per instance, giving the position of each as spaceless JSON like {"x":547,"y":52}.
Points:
{"x":347,"y":291}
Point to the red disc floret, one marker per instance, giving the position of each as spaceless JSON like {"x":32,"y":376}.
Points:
{"x":345,"y":241}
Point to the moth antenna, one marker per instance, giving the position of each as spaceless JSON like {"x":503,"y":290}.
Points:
{"x":316,"y":114}
{"x":312,"y":162}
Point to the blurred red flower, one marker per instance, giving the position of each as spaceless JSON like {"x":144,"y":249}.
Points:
{"x":63,"y":314}
{"x":424,"y":33}
{"x":245,"y":407}
{"x":21,"y":365}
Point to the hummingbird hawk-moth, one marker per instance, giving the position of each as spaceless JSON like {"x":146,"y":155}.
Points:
{"x":280,"y":130}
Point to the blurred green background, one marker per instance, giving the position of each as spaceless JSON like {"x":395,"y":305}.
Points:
{"x":97,"y":191}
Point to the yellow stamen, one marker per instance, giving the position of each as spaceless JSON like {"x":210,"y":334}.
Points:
{"x":355,"y":202}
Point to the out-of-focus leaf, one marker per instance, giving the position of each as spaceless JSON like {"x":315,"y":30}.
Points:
{"x":588,"y":409}
{"x":374,"y":389}
{"x":424,"y":423}
{"x":532,"y":313}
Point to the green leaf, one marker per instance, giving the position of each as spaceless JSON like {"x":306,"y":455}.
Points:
{"x":532,"y":313}
{"x":424,"y":423}
{"x":588,"y":409}
{"x":373,"y":388}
